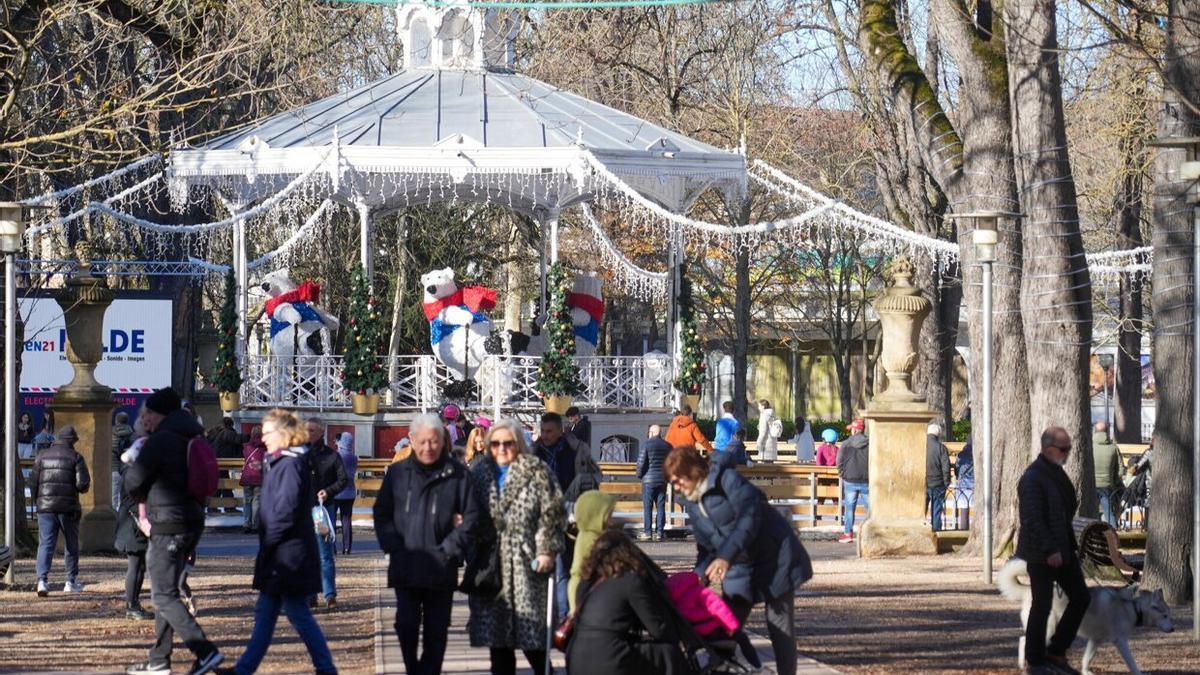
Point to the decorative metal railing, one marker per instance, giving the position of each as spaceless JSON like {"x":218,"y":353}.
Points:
{"x":417,"y":382}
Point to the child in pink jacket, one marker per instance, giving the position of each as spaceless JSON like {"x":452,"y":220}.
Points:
{"x":707,"y":613}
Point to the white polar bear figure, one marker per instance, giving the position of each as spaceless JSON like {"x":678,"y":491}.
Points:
{"x":458,"y":325}
{"x":298,"y":325}
{"x":585,"y":302}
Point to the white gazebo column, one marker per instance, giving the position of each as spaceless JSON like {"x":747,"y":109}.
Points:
{"x":241,"y":273}
{"x":364,"y":243}
{"x":552,"y":221}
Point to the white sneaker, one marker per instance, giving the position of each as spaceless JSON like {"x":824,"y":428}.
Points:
{"x":43,"y":589}
{"x":72,"y":587}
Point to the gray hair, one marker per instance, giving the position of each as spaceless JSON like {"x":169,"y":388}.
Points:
{"x":934,"y":430}
{"x":511,"y":427}
{"x":424,"y":421}
{"x":654,"y":431}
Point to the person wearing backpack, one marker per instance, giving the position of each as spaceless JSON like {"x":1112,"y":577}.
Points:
{"x":160,"y":477}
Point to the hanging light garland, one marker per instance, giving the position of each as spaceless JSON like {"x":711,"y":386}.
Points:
{"x":636,"y":281}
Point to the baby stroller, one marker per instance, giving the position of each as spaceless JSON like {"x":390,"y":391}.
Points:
{"x":710,"y":644}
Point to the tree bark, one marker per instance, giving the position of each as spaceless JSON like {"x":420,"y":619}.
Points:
{"x":1056,"y":298}
{"x":741,"y":340}
{"x":1128,"y":410}
{"x":1169,"y":538}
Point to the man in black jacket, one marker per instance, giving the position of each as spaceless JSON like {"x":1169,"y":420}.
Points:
{"x":570,"y":460}
{"x":425,"y":517}
{"x":579,"y":425}
{"x":853,"y":463}
{"x":1046,"y":542}
{"x":159,"y":477}
{"x":59,"y":476}
{"x":328,"y":479}
{"x":937,"y":474}
{"x":654,"y":482}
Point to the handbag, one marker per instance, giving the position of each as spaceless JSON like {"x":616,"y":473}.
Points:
{"x":483,"y":576}
{"x":322,"y":523}
{"x":565,"y":629}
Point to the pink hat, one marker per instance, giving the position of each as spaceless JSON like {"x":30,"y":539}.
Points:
{"x":450,"y":412}
{"x":483,"y":422}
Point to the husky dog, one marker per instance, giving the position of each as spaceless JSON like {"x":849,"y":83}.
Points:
{"x":1111,"y":616}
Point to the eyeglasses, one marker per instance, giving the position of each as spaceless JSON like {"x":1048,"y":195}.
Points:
{"x":1064,"y":449}
{"x":507,"y":445}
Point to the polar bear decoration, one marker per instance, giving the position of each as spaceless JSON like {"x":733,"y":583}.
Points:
{"x":298,"y":326}
{"x":585,"y":302}
{"x":458,"y":324}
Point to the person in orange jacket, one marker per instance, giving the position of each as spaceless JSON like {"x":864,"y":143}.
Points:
{"x":683,"y":431}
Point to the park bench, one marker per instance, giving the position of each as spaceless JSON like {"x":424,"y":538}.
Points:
{"x":1099,"y":545}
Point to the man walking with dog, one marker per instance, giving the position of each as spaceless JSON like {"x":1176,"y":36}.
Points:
{"x":1046,"y":542}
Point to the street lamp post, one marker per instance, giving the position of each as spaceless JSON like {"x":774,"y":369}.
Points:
{"x":1106,"y":364}
{"x":985,"y":238}
{"x":12,"y":227}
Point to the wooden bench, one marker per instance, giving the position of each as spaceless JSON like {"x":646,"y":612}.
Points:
{"x":1099,"y":545}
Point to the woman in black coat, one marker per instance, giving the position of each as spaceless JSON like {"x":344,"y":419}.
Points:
{"x":622,"y":626}
{"x":129,"y":538}
{"x":288,"y":567}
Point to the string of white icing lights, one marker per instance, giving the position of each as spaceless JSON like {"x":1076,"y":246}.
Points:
{"x":263,"y":207}
{"x":79,"y":213}
{"x":112,"y":175}
{"x":848,"y":215}
{"x":636,"y":281}
{"x":296,"y":236}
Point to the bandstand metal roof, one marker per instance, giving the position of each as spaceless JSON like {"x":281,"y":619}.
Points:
{"x":475,"y":130}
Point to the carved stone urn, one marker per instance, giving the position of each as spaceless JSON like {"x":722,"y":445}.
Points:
{"x":84,"y":300}
{"x":901,"y":310}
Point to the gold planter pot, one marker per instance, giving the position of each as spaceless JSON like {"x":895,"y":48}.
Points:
{"x":557,"y":404}
{"x":692,"y":401}
{"x":229,"y":400}
{"x":365,"y":404}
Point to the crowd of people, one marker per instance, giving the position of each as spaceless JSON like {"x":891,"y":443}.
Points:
{"x":518,"y":524}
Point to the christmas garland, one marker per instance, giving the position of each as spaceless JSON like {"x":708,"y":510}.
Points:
{"x":363,"y":371}
{"x":557,"y":374}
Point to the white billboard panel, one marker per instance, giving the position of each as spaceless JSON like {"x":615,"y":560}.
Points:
{"x":136,"y":339}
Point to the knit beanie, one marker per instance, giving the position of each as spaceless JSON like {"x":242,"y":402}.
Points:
{"x":163,"y":401}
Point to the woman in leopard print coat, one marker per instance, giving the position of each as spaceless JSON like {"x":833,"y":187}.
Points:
{"x":525,"y":513}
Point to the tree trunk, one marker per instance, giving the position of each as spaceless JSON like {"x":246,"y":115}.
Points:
{"x":1128,"y":410}
{"x":1169,"y":538}
{"x":939,"y":333}
{"x":1056,"y":298}
{"x":741,"y":311}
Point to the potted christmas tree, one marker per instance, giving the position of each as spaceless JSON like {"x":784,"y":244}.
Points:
{"x":692,"y":369}
{"x":363,"y":374}
{"x":228,"y":375}
{"x":557,"y":375}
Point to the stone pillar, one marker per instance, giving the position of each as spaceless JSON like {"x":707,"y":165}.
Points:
{"x":896,"y":423}
{"x":85,"y":403}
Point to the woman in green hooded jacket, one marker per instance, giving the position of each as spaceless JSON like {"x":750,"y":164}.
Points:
{"x":593,"y":511}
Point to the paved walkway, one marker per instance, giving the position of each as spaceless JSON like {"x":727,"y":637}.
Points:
{"x":461,"y":657}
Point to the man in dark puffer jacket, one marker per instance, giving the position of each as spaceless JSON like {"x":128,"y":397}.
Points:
{"x":59,"y":476}
{"x":159,"y":477}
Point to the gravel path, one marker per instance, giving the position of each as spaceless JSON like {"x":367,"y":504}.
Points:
{"x":927,"y":615}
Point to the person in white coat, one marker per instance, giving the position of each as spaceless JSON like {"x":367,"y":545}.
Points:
{"x":770,"y":428}
{"x":803,"y":440}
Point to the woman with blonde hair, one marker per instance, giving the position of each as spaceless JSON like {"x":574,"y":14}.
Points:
{"x":288,"y":567}
{"x":521,"y":528}
{"x":476,"y":444}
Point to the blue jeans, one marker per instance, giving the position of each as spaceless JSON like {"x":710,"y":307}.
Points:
{"x":851,"y":493}
{"x":654,"y":496}
{"x":328,"y":568}
{"x":49,"y":525}
{"x":935,"y":497}
{"x":266,"y":612}
{"x":1107,"y":496}
{"x":562,"y":577}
